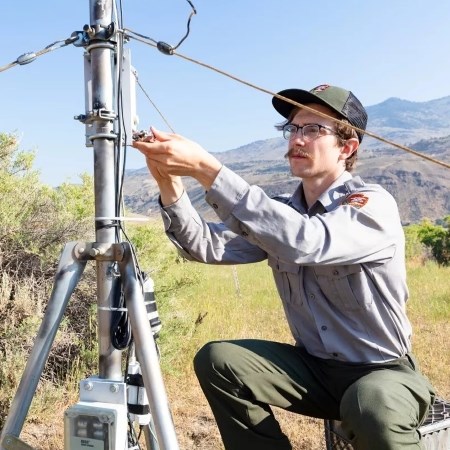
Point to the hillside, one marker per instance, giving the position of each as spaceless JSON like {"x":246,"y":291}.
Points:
{"x":422,"y":188}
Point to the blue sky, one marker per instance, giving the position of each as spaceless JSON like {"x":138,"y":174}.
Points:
{"x":378,"y":49}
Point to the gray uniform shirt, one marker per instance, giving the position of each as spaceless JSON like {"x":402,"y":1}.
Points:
{"x":339,"y":266}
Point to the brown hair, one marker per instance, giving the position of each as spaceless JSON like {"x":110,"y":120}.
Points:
{"x":343,"y":133}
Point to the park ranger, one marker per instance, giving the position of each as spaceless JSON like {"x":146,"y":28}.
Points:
{"x":336,"y":249}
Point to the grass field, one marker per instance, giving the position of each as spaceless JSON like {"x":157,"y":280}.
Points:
{"x":250,"y":308}
{"x":199,"y":303}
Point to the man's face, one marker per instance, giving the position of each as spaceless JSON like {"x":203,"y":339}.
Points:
{"x":318,"y":157}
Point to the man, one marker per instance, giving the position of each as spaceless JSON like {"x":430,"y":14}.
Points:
{"x":336,"y":248}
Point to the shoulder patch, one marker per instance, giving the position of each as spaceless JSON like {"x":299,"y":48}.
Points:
{"x":356,"y":200}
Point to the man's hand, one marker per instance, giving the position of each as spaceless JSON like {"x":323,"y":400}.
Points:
{"x":171,"y":155}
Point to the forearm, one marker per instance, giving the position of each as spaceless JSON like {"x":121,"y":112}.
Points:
{"x":207,"y":171}
{"x":170,"y":190}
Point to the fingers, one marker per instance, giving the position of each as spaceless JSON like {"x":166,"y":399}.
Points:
{"x":154,"y":136}
{"x":161,"y":136}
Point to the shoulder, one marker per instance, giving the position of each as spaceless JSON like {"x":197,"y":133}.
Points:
{"x":359,"y":193}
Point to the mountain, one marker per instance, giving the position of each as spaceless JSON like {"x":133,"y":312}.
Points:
{"x":421,"y":187}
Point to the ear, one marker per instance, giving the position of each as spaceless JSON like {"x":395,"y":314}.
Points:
{"x":350,"y":146}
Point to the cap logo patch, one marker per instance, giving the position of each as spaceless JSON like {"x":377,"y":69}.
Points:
{"x":355,"y":200}
{"x":320,"y":88}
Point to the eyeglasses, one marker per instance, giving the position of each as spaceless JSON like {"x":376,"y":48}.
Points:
{"x":308,"y":132}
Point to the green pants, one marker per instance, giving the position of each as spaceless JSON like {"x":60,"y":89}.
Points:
{"x":380,"y":405}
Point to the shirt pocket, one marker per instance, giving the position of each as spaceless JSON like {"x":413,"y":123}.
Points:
{"x":287,"y":280}
{"x":345,"y":286}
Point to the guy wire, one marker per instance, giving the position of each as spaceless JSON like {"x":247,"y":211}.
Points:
{"x":153,"y":104}
{"x":150,"y":42}
{"x":27,"y":58}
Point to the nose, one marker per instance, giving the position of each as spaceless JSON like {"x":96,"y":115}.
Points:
{"x":298,"y":139}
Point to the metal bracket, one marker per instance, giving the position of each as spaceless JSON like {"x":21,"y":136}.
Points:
{"x":95,"y":115}
{"x":98,"y":251}
{"x":11,"y":442}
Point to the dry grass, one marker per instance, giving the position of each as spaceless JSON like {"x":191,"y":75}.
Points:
{"x":196,"y":428}
{"x":429,"y":312}
{"x":203,"y":303}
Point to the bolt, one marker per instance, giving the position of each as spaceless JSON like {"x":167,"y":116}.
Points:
{"x":88,"y":386}
{"x":114,"y":388}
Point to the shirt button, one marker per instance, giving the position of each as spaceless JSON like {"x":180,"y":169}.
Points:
{"x":335,"y":355}
{"x":335,"y":272}
{"x":244,"y":233}
{"x":214,"y":205}
{"x":312,"y":296}
{"x":324,"y":327}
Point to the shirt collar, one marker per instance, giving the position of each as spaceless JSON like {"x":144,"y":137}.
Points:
{"x":335,"y":192}
{"x":327,"y":201}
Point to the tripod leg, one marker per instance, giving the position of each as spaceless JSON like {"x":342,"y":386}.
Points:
{"x":67,"y":275}
{"x":150,"y":437}
{"x":147,"y":354}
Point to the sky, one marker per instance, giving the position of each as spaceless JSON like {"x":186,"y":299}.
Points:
{"x":377,"y":49}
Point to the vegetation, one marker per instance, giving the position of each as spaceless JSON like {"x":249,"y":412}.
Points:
{"x":35,"y":221}
{"x":196,"y":303}
{"x":435,"y":237}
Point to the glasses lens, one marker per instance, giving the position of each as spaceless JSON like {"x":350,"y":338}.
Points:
{"x":310,"y":132}
{"x":289,"y":131}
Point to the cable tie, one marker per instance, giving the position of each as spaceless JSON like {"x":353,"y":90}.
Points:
{"x":165,"y":48}
{"x":110,"y":308}
{"x":136,"y":219}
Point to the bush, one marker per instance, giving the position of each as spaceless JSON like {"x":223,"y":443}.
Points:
{"x":437,"y":238}
{"x":35,"y":222}
{"x":428,"y":237}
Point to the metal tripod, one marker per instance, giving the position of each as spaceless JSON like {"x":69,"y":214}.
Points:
{"x":99,"y":420}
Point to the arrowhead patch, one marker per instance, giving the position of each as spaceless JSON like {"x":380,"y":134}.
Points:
{"x":356,"y":200}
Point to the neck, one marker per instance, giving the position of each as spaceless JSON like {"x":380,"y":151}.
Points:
{"x":314,"y":187}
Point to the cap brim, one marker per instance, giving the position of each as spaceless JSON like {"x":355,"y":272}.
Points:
{"x":297,"y":95}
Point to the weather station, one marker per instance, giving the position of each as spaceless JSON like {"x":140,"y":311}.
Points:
{"x":127,"y":394}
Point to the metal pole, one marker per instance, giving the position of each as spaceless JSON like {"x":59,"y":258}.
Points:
{"x":102,"y":51}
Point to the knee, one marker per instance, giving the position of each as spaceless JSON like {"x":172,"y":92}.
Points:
{"x":209,"y":359}
{"x":366,"y":410}
{"x":375,"y":416}
{"x":202,"y":360}
{"x":220,"y":361}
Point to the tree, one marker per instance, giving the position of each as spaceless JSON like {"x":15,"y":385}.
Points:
{"x":36,"y":219}
{"x":437,"y":238}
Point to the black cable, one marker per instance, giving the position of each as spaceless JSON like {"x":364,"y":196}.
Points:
{"x":121,"y":125}
{"x":121,"y":333}
{"x":133,"y":440}
{"x":194,"y":11}
{"x":164,"y":47}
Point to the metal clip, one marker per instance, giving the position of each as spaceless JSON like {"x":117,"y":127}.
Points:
{"x":141,"y":136}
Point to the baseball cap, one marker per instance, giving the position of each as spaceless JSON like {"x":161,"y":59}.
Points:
{"x":340,"y":100}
